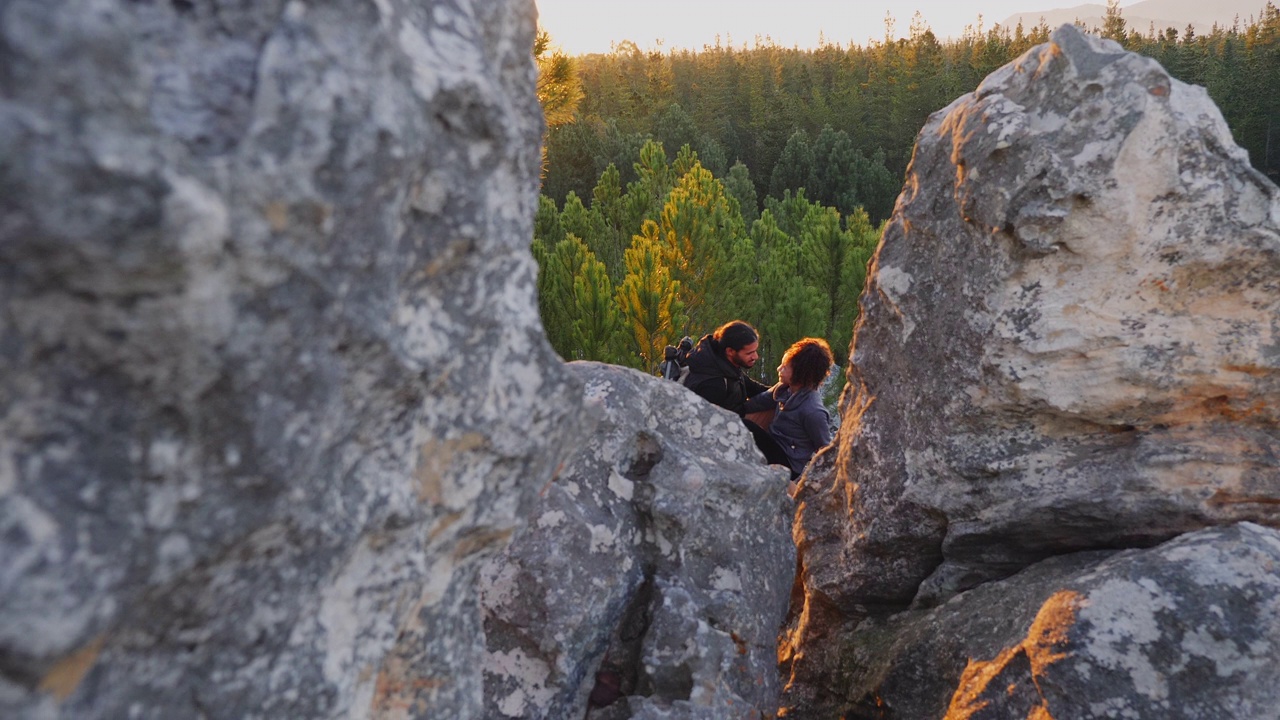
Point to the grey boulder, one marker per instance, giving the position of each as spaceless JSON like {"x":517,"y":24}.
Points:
{"x":272,"y":380}
{"x":655,"y":571}
{"x":1189,"y":630}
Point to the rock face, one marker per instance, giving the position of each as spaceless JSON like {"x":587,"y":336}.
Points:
{"x":1069,"y":342}
{"x":272,"y":382}
{"x":1189,"y":630}
{"x":273,"y":389}
{"x":655,"y":571}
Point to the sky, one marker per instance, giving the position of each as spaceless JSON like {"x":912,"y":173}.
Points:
{"x":586,"y":26}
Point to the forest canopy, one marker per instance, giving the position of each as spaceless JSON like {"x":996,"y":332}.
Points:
{"x":689,"y":188}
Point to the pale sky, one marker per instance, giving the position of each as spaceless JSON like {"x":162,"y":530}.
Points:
{"x":586,"y":26}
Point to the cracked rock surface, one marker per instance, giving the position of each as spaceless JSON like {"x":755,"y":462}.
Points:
{"x":1189,"y":630}
{"x":272,"y":380}
{"x":1070,"y":341}
{"x":655,"y":571}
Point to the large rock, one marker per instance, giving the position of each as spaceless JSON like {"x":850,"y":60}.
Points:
{"x":655,"y":572}
{"x":272,"y":382}
{"x":1069,"y":341}
{"x":1187,"y":631}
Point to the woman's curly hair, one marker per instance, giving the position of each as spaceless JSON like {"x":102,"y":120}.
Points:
{"x":810,"y":360}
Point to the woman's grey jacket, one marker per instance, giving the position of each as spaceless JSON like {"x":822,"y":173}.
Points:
{"x":801,"y":424}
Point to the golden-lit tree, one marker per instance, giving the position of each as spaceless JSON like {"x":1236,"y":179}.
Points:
{"x":648,"y":298}
{"x":559,"y":87}
{"x":698,"y":226}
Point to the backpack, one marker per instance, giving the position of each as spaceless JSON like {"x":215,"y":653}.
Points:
{"x":675,"y":360}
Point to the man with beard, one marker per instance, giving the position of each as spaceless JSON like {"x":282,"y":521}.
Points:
{"x":717,"y":366}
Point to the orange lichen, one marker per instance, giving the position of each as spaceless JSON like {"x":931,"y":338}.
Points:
{"x":396,"y":691}
{"x":1049,"y":630}
{"x":554,"y":476}
{"x":1251,"y":370}
{"x":1216,"y":402}
{"x":968,"y":698}
{"x":67,"y":674}
{"x":790,"y":639}
{"x":1221,"y":497}
{"x":1155,"y":282}
{"x":1042,"y":647}
{"x":1039,"y":712}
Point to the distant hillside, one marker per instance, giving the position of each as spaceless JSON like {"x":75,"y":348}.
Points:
{"x":1200,"y":14}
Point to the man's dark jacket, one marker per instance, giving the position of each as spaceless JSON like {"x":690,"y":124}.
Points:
{"x":712,"y":376}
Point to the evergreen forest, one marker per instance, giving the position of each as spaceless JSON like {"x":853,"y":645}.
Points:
{"x":685,"y":189}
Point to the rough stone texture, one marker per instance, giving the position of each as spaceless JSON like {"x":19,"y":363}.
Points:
{"x":1186,"y":631}
{"x":658,"y":564}
{"x":1070,"y":340}
{"x":272,"y":382}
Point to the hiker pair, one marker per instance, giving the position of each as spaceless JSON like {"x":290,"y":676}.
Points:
{"x":788,"y":421}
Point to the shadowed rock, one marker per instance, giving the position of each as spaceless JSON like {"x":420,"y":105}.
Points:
{"x":1188,"y":630}
{"x":655,"y":571}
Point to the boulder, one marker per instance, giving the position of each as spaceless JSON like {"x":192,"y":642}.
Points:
{"x":1189,"y":630}
{"x":654,"y":574}
{"x":272,"y":380}
{"x":1068,"y":342}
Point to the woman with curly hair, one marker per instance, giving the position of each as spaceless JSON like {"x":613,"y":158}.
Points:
{"x":801,"y":424}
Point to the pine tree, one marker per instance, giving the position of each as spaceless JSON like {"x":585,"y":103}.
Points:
{"x":875,"y":187}
{"x":752,"y":101}
{"x":559,"y":87}
{"x":607,"y":202}
{"x":837,"y":174}
{"x":825,"y":248}
{"x":835,"y":264}
{"x":766,"y":234}
{"x":1113,"y":25}
{"x":739,"y":185}
{"x":648,"y":298}
{"x":1263,"y":44}
{"x":712,"y":155}
{"x":571,"y":156}
{"x":822,"y":186}
{"x":558,"y":266}
{"x":674,"y":128}
{"x":654,"y":179}
{"x":546,"y":223}
{"x":699,"y":224}
{"x":686,"y":160}
{"x":794,"y":169}
{"x":794,"y":307}
{"x":620,"y":149}
{"x":741,"y":294}
{"x":586,"y":224}
{"x":790,"y":211}
{"x":598,"y":331}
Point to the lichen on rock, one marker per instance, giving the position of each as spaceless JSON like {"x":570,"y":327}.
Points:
{"x":1068,"y":343}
